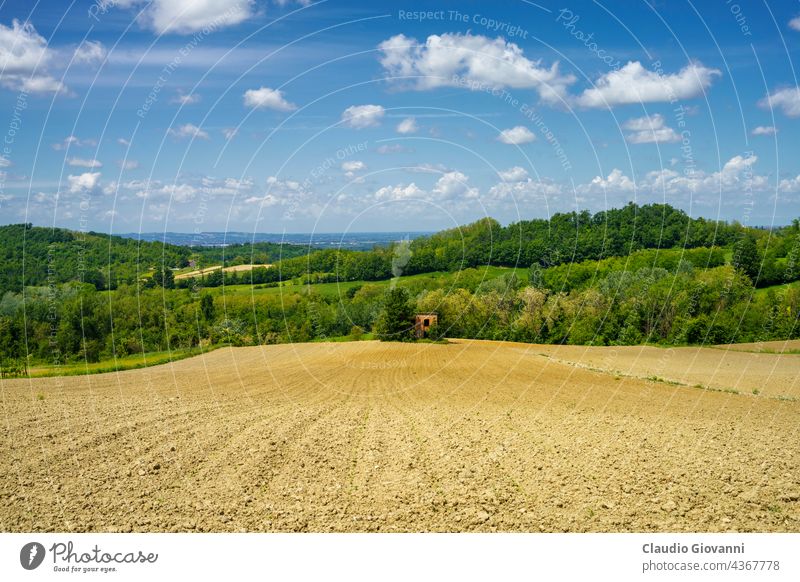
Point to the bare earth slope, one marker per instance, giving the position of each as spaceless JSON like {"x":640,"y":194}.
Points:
{"x":727,"y":368}
{"x":471,"y":436}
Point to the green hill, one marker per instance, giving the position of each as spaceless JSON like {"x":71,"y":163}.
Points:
{"x":32,"y":256}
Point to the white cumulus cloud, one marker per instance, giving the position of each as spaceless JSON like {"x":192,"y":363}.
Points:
{"x":526,"y":190}
{"x":73,"y":141}
{"x":408,"y":125}
{"x":736,"y":177}
{"x":266,"y":98}
{"x":764,"y":130}
{"x":787,"y":100}
{"x":650,"y":129}
{"x":468,"y":61}
{"x":186,"y":99}
{"x":454,"y":186}
{"x":188,"y":131}
{"x":85,"y":182}
{"x":736,"y":174}
{"x":179,"y":192}
{"x":633,"y":83}
{"x":399,"y":192}
{"x":361,"y":116}
{"x":176,"y":192}
{"x":790,"y":184}
{"x":350,"y":167}
{"x":189,"y":16}
{"x":90,"y":52}
{"x":515,"y":174}
{"x":24,"y":58}
{"x":615,"y":182}
{"x":280,"y":192}
{"x":516,"y":135}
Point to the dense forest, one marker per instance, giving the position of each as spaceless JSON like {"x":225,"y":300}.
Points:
{"x":38,"y":256}
{"x":568,"y":238}
{"x":669,"y":280}
{"x":564,"y":239}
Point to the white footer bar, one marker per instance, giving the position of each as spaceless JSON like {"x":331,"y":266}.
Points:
{"x":355,"y":557}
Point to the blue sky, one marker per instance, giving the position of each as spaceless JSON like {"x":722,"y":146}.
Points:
{"x":125,"y":116}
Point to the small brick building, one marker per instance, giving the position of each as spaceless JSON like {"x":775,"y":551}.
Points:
{"x":423,"y":322}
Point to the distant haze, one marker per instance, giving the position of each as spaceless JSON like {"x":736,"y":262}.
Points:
{"x":348,"y":240}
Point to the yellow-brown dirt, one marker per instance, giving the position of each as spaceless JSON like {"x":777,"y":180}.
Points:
{"x":207,"y":270}
{"x":366,"y":436}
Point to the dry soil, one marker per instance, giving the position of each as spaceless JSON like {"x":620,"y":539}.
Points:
{"x":364,"y":436}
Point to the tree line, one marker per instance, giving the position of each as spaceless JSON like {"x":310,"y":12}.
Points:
{"x":702,"y":294}
{"x":564,"y":239}
{"x":683,"y":304}
{"x":38,"y":256}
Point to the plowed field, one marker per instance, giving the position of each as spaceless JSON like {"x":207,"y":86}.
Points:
{"x":365,"y":436}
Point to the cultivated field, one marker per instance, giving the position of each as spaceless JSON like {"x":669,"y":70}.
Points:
{"x":207,"y":270}
{"x":364,"y":436}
